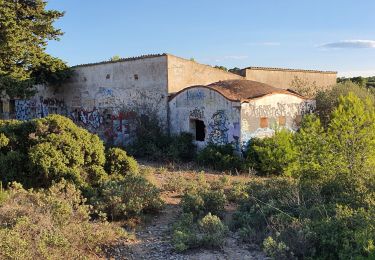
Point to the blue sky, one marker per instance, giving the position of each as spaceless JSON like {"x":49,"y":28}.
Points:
{"x":311,"y":34}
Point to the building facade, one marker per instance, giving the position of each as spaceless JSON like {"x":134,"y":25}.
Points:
{"x":106,"y":97}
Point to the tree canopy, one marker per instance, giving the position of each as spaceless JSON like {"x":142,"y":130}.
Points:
{"x":26,"y":27}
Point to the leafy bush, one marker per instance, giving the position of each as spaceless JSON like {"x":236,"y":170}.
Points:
{"x":118,"y":162}
{"x":271,"y":155}
{"x":213,"y":231}
{"x":153,"y":143}
{"x":127,"y":196}
{"x":327,"y":210}
{"x":327,"y":101}
{"x":237,"y":192}
{"x":38,"y":152}
{"x":44,"y":225}
{"x":203,"y":202}
{"x":220,"y":157}
{"x":208,"y":232}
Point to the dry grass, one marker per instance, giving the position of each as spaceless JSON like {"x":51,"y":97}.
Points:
{"x":51,"y":224}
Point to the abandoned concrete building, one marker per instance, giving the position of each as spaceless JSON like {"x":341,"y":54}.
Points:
{"x":215,"y":105}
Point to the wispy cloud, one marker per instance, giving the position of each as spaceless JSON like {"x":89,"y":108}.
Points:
{"x":356,"y":44}
{"x":263,"y":44}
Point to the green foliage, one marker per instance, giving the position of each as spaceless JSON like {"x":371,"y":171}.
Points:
{"x":237,"y":192}
{"x":220,"y":157}
{"x":26,"y":29}
{"x":41,"y":151}
{"x":118,"y":162}
{"x":213,"y":231}
{"x":327,"y":210}
{"x":208,"y":232}
{"x":152,"y":143}
{"x":272,"y":155}
{"x":127,"y":196}
{"x":51,"y":224}
{"x":327,"y":101}
{"x":203,"y":202}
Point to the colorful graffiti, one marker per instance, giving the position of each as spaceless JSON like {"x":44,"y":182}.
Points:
{"x":121,"y":128}
{"x":219,"y":128}
{"x":87,"y":118}
{"x":280,"y":109}
{"x":197,"y":113}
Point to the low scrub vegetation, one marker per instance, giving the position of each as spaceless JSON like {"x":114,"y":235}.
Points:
{"x":323,"y":207}
{"x":51,"y":224}
{"x":200,"y":224}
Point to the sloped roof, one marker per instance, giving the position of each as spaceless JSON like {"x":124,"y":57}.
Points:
{"x":243,"y":90}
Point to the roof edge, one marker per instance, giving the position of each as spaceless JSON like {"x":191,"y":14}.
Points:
{"x":148,"y":56}
{"x":287,"y":69}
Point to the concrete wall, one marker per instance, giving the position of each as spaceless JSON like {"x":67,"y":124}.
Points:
{"x":105,"y":98}
{"x":184,"y":73}
{"x":278,"y":110}
{"x":221,"y":117}
{"x":283,"y":78}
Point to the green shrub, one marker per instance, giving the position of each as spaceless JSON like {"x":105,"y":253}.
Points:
{"x":127,"y":196}
{"x":276,"y":250}
{"x":38,"y":152}
{"x":271,"y":155}
{"x":213,"y":231}
{"x":208,"y":232}
{"x":153,"y":143}
{"x":175,"y":183}
{"x":237,"y":192}
{"x":51,"y":224}
{"x":118,"y":162}
{"x":220,"y":157}
{"x":185,"y":233}
{"x":203,"y":202}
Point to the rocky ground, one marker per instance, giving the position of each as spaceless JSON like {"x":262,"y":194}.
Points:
{"x":153,"y":240}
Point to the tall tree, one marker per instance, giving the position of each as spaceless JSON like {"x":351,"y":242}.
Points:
{"x":26,"y":26}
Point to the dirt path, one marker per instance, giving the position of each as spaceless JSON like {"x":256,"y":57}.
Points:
{"x":153,"y":240}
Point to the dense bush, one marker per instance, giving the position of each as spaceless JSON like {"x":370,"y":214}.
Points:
{"x":118,"y":162}
{"x":272,"y":155}
{"x":208,"y":232}
{"x":51,"y":224}
{"x":327,"y":101}
{"x":127,"y":196}
{"x":203,"y":202}
{"x":38,"y":152}
{"x":220,"y":157}
{"x":151,"y":142}
{"x":327,"y":210}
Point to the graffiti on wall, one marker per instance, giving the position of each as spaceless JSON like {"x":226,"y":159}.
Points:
{"x":195,"y":95}
{"x":280,"y":109}
{"x":121,"y":128}
{"x":87,"y":118}
{"x":38,"y":108}
{"x":23,"y":109}
{"x":219,"y":127}
{"x":197,"y":113}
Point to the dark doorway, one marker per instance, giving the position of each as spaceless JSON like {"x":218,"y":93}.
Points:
{"x":199,"y":130}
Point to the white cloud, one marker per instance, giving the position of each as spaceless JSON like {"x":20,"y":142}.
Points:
{"x":357,"y":44}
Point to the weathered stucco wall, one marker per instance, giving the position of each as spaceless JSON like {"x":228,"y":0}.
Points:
{"x":261,"y":116}
{"x":184,"y":73}
{"x":105,"y":98}
{"x":280,"y":78}
{"x":221,"y":117}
